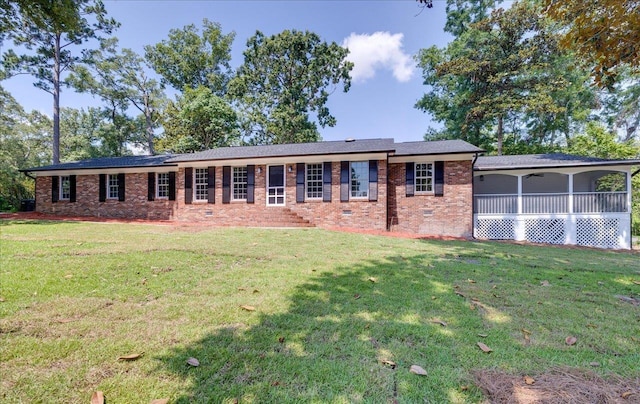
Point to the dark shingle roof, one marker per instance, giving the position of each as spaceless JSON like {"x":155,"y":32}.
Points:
{"x":294,"y":149}
{"x":108,"y":162}
{"x":435,"y":147}
{"x":551,"y":160}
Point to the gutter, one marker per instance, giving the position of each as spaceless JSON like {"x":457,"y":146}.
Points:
{"x":635,"y":172}
{"x":28,"y":175}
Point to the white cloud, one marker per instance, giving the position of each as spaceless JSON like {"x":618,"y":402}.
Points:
{"x":380,"y":50}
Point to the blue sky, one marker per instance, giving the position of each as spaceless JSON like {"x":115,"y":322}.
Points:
{"x":383,"y":37}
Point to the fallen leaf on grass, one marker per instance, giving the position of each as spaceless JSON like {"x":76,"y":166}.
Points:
{"x":242,"y":289}
{"x":433,"y":298}
{"x":417,"y":370}
{"x":97,"y":397}
{"x":464,"y":388}
{"x":372,"y":279}
{"x":472,"y":307}
{"x":525,"y":331}
{"x":160,"y":401}
{"x":66,"y":320}
{"x":626,"y":394}
{"x":281,"y":340}
{"x":131,"y":357}
{"x":592,"y":325}
{"x":248,"y":308}
{"x":438,"y":321}
{"x":460,"y":294}
{"x":570,"y":340}
{"x":389,"y":363}
{"x":471,"y":281}
{"x":193,"y":362}
{"x":483,"y":335}
{"x":1,"y":299}
{"x":356,"y":296}
{"x":69,"y":276}
{"x":545,"y":283}
{"x":529,"y":380}
{"x":636,"y":282}
{"x":483,"y":347}
{"x":255,"y":291}
{"x":594,"y":364}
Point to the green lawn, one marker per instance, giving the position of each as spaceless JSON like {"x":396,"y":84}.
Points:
{"x":330,"y":308}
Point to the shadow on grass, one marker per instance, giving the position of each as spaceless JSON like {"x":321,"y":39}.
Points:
{"x":349,"y":335}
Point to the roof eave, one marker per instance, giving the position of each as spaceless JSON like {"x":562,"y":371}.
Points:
{"x":533,"y":167}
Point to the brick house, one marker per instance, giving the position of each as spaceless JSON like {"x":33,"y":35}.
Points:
{"x":417,"y":187}
{"x":437,"y":188}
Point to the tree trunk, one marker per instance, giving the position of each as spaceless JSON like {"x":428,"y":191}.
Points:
{"x":500,"y":135}
{"x":147,"y":117}
{"x":56,"y":100}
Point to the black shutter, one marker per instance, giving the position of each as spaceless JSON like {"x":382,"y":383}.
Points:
{"x":326,"y":181}
{"x":172,"y":186}
{"x":121,"y":187}
{"x":410,"y":179}
{"x":55,"y":188}
{"x":72,"y":188}
{"x":344,"y":181}
{"x":102,"y":184}
{"x":439,"y":178}
{"x":188,"y":185}
{"x":226,"y":184}
{"x":151,"y":186}
{"x":251,"y":183}
{"x":211,"y":184}
{"x":300,"y":182}
{"x":373,"y":180}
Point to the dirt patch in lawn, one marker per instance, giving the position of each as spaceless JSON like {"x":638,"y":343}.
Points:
{"x":557,"y":386}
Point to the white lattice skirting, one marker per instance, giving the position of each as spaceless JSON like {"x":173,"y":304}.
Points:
{"x":603,"y":231}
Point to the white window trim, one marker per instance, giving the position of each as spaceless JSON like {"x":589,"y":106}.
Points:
{"x":195,"y":184}
{"x":233,"y":183}
{"x":358,"y":198}
{"x":61,"y":187}
{"x":415,"y":178}
{"x":158,"y":186}
{"x":117,"y":186}
{"x":306,"y":181}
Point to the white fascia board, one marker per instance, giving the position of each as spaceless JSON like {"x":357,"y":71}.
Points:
{"x":96,"y":171}
{"x":430,"y":158}
{"x":558,"y":170}
{"x":320,"y":158}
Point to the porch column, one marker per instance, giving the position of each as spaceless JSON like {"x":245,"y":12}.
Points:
{"x":519,"y":222}
{"x":571,"y":223}
{"x":628,"y":175}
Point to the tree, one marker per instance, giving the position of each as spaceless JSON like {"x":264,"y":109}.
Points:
{"x":604,"y":34}
{"x":120,"y":78}
{"x":285,"y":78}
{"x":499,"y":76}
{"x":461,"y":14}
{"x":14,"y":13}
{"x":24,"y":142}
{"x":199,"y":120}
{"x":188,"y":59}
{"x":50,"y":41}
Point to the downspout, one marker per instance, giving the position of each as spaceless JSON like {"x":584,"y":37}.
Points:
{"x":631,"y":219}
{"x":473,"y":195}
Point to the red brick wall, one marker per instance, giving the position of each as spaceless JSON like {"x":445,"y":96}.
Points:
{"x":135,"y":205}
{"x":364,"y":214}
{"x":447,"y":215}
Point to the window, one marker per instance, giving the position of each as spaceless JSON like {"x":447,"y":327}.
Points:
{"x":201,"y":184}
{"x":112,"y":186}
{"x":314,"y":181}
{"x":360,"y":179}
{"x":162,"y":185}
{"x":239,"y":182}
{"x":65,"y":187}
{"x":424,"y":177}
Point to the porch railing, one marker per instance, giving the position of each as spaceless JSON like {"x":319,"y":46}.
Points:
{"x":595,"y":202}
{"x":547,"y":203}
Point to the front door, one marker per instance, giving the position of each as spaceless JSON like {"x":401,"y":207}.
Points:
{"x":275,"y":185}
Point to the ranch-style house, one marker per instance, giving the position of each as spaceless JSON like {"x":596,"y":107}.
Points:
{"x":431,"y":188}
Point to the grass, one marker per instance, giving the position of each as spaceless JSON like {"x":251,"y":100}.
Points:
{"x":76,"y":296}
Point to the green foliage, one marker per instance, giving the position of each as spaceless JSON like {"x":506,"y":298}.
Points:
{"x":502,"y":77}
{"x":190,"y":59}
{"x":49,"y":55}
{"x":285,"y":78}
{"x":199,"y":120}
{"x":119,"y":78}
{"x":24,"y":142}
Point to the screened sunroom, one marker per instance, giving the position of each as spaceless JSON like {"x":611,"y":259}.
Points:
{"x":554,"y":198}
